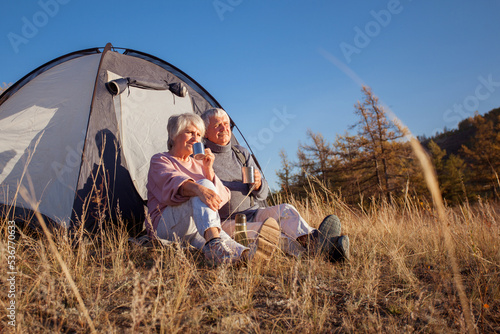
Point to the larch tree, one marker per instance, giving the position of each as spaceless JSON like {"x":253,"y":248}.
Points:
{"x":374,"y":140}
{"x":285,"y":174}
{"x":316,"y":157}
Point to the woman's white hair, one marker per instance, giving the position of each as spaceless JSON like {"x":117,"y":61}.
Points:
{"x":178,"y":123}
{"x":212,"y":113}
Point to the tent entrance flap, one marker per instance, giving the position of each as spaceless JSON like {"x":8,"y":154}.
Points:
{"x":141,"y":136}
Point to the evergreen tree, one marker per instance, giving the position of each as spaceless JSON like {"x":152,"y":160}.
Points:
{"x":437,"y":154}
{"x":450,"y":172}
{"x":483,"y":155}
{"x":452,"y":186}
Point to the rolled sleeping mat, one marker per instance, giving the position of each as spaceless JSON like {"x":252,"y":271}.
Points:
{"x":118,"y":86}
{"x":158,"y":85}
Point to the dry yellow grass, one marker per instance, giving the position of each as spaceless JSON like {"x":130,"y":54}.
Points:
{"x":398,"y":280}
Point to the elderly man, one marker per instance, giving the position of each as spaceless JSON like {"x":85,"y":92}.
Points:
{"x":249,"y":199}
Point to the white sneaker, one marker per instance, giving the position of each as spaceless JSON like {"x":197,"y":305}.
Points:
{"x":219,"y":251}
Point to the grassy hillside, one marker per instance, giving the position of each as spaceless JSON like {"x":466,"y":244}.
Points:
{"x":399,"y":280}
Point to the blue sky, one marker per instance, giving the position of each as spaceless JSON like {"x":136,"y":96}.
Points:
{"x":280,"y":68}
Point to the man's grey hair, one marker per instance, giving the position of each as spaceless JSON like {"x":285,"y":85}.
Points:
{"x":178,"y":123}
{"x":212,"y":113}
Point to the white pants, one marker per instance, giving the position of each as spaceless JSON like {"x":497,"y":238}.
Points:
{"x":189,"y":221}
{"x":292,"y":225}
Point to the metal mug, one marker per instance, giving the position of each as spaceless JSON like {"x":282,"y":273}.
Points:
{"x":198,"y":151}
{"x":248,"y":174}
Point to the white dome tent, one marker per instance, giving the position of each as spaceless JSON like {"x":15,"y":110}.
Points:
{"x":79,"y":132}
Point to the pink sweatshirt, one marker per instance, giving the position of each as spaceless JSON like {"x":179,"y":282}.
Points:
{"x":166,"y":175}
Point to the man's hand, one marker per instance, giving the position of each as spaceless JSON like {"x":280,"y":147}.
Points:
{"x":258,"y":179}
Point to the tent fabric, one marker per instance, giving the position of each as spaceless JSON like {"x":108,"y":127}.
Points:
{"x":201,"y":99}
{"x":56,"y":99}
{"x":82,"y":152}
{"x":28,"y":77}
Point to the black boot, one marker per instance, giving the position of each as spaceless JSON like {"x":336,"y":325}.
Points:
{"x":340,"y":250}
{"x":329,"y":228}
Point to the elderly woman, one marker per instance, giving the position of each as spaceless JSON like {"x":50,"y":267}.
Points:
{"x":184,"y":194}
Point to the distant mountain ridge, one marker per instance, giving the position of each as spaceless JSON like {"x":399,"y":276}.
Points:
{"x":452,"y":140}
